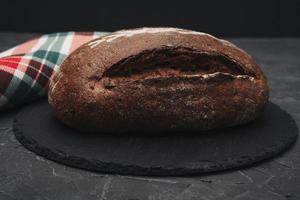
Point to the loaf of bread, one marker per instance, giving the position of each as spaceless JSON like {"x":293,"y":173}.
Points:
{"x":157,"y":79}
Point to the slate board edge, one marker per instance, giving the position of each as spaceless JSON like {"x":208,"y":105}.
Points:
{"x":112,"y":168}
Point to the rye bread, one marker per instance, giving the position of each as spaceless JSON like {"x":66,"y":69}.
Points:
{"x":157,"y":79}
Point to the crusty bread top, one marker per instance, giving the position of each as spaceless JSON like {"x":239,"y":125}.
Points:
{"x":113,"y":48}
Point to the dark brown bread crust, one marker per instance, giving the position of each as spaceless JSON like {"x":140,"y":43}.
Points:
{"x":155,"y":79}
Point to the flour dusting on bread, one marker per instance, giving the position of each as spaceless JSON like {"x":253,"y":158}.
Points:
{"x":145,"y":30}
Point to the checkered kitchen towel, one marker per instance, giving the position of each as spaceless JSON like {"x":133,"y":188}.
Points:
{"x":25,"y":70}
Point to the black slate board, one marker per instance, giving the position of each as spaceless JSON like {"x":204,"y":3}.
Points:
{"x":167,"y":154}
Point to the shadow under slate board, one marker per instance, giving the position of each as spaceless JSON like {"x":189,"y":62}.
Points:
{"x":181,"y":153}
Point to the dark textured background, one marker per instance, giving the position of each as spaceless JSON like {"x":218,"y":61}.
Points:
{"x":233,"y":18}
{"x":26,"y":176}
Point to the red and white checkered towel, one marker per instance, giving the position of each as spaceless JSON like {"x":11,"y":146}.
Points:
{"x":25,"y":70}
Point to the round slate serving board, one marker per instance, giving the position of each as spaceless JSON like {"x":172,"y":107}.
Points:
{"x":179,"y":153}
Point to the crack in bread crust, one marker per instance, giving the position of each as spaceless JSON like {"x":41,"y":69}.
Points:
{"x":169,"y":62}
{"x":180,"y":58}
